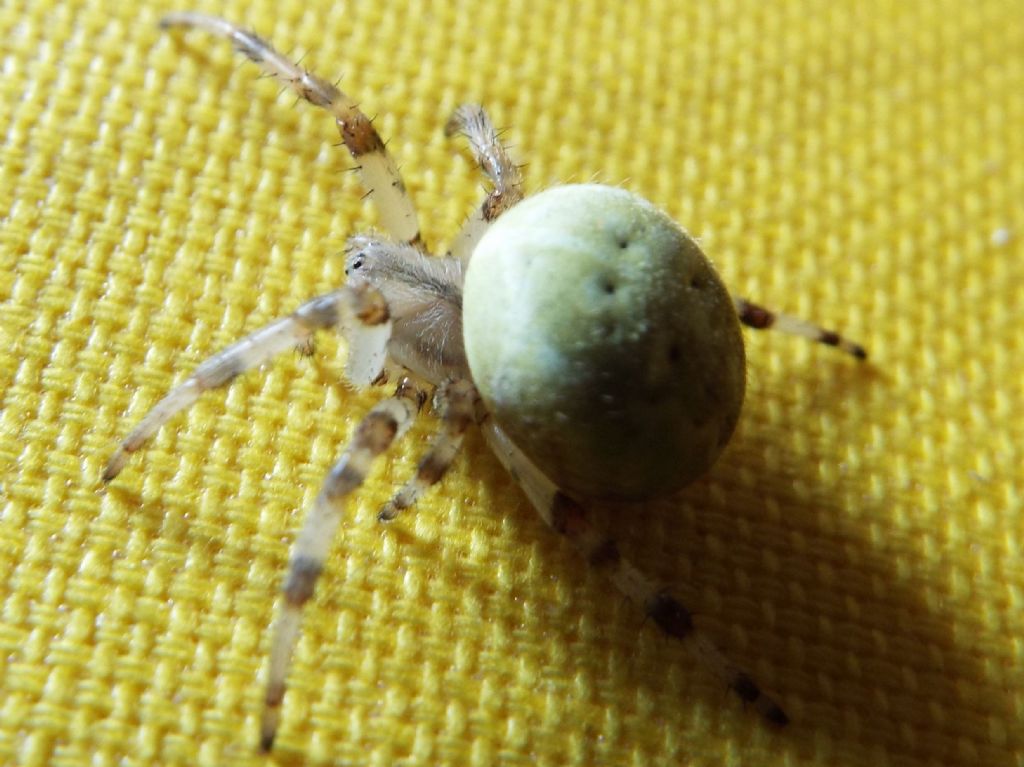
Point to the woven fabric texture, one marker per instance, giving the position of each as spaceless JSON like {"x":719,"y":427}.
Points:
{"x":858,"y":548}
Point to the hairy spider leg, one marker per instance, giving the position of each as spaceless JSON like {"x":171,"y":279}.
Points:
{"x":361,"y":310}
{"x":472,"y":122}
{"x":386,"y":422}
{"x":377,"y":169}
{"x":570,"y":519}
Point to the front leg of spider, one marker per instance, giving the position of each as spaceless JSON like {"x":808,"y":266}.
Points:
{"x":472,"y":122}
{"x":377,"y":168}
{"x":360,"y":309}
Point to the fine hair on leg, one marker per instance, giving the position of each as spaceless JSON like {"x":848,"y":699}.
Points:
{"x":377,"y":168}
{"x":472,"y":122}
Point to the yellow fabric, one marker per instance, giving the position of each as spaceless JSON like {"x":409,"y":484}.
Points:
{"x":858,"y":548}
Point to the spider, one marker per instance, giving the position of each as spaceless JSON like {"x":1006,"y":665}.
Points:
{"x":580,"y":329}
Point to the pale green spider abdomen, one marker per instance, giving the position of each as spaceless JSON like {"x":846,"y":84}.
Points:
{"x":603,"y":342}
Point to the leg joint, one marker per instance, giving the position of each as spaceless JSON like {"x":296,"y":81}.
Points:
{"x":302,"y":575}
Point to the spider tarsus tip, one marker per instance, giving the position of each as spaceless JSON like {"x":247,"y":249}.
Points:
{"x":859,"y":352}
{"x":114,"y":465}
{"x":266,"y":742}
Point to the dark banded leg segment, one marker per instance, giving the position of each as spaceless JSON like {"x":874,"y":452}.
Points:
{"x":386,"y":422}
{"x":377,"y":169}
{"x":457,"y":402}
{"x":361,"y":310}
{"x":570,"y":519}
{"x":758,"y":317}
{"x":471,"y":121}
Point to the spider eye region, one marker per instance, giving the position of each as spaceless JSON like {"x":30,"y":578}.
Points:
{"x":354,"y":264}
{"x":604,"y":343}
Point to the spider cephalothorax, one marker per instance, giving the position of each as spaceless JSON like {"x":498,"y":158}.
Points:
{"x":582,"y":330}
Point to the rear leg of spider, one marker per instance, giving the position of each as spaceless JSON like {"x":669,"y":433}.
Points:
{"x":760,"y":318}
{"x":377,"y":169}
{"x":361,"y":310}
{"x":571,"y":520}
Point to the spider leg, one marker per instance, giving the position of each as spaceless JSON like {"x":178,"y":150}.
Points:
{"x":567,"y":517}
{"x":362,"y":310}
{"x":386,"y":422}
{"x":377,"y":169}
{"x":472,"y":121}
{"x":760,"y":318}
{"x":456,"y":400}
